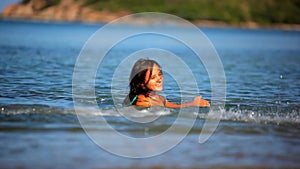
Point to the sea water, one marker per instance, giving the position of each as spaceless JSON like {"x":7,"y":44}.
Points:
{"x":39,"y":128}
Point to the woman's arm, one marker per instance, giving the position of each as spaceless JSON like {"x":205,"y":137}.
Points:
{"x":198,"y":101}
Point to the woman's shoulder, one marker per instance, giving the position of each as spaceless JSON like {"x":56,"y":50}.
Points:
{"x":157,"y":96}
{"x":142,"y":100}
{"x":157,"y":100}
{"x":148,"y":100}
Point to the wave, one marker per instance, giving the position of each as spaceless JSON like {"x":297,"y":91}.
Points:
{"x":264,"y":115}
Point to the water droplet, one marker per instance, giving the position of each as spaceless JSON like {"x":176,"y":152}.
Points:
{"x":281,"y":76}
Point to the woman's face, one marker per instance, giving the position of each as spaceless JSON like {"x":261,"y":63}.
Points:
{"x":155,"y":82}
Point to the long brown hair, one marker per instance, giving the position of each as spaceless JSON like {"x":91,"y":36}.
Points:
{"x":137,"y":82}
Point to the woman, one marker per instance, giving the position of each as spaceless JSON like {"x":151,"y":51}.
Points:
{"x":146,"y":79}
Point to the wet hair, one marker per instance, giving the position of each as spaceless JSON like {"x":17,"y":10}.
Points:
{"x":137,"y":77}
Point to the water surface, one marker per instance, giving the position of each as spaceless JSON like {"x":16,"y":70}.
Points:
{"x":259,"y":126}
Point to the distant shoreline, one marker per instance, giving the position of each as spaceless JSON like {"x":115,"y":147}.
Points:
{"x":204,"y":24}
{"x":68,"y":11}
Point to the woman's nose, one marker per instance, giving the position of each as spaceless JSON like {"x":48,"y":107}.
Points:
{"x":159,"y":79}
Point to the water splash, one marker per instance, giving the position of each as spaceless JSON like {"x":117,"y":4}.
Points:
{"x":248,"y":114}
{"x":263,"y":115}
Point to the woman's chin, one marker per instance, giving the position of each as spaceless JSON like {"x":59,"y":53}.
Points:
{"x":158,"y":89}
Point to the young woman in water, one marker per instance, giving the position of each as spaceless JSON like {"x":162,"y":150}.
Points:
{"x":146,"y":79}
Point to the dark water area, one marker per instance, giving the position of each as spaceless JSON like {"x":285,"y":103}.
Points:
{"x":39,"y":128}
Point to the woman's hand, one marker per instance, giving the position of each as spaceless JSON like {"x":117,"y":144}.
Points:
{"x":198,"y":101}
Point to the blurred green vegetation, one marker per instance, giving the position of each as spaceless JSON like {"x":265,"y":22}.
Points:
{"x":229,"y":11}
